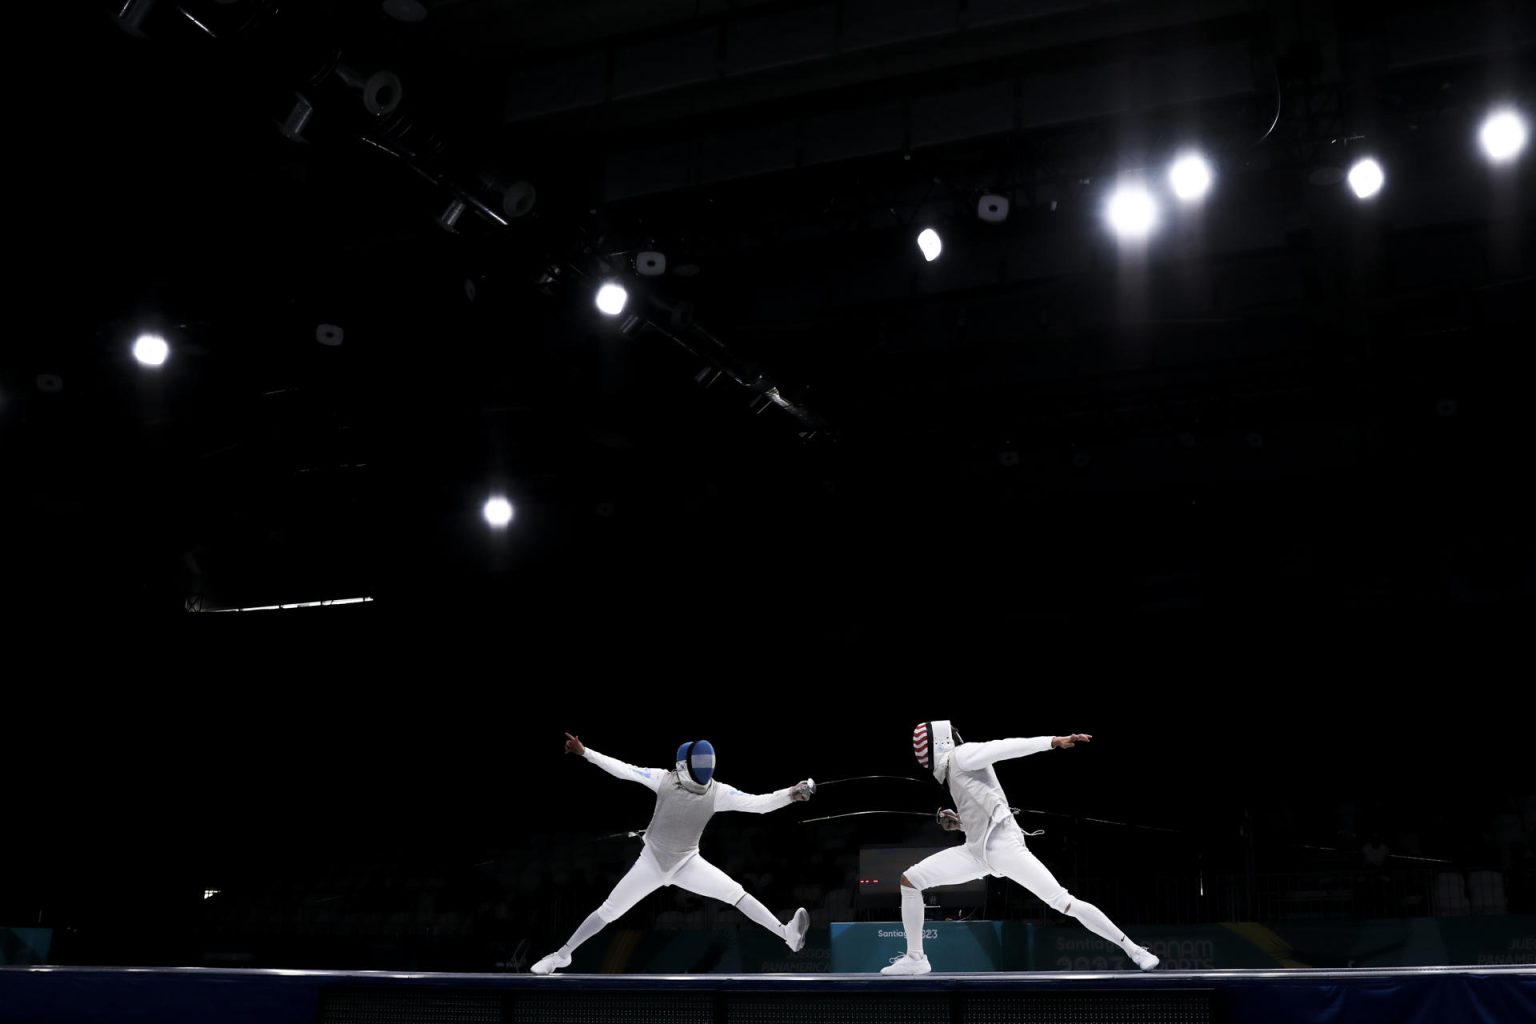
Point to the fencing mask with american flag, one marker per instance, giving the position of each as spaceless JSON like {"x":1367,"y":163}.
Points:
{"x":932,"y":742}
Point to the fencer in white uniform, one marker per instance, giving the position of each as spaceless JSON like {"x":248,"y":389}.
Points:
{"x":994,"y":843}
{"x":687,"y":796}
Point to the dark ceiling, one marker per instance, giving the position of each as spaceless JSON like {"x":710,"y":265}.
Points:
{"x":1284,"y":398}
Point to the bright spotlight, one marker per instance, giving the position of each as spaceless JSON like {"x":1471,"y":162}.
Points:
{"x":1502,"y":136}
{"x":1132,"y":212}
{"x":498,"y":512}
{"x":929,"y":242}
{"x":151,"y":350}
{"x":1190,"y":177}
{"x":1366,"y":178}
{"x":611,"y":299}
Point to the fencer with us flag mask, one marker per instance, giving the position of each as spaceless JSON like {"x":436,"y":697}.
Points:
{"x":687,"y":796}
{"x":994,"y":843}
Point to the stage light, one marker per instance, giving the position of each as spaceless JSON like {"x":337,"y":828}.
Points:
{"x":611,"y":299}
{"x":1366,"y":178}
{"x":928,"y":242}
{"x":1190,"y":177}
{"x":1131,"y":212}
{"x":498,"y":512}
{"x":1502,"y":136}
{"x":151,"y":350}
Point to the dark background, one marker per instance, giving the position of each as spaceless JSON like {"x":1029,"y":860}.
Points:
{"x":1253,"y":506}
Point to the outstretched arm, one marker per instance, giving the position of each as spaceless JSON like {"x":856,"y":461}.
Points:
{"x":733,"y":799}
{"x":650,"y":778}
{"x":971,"y":756}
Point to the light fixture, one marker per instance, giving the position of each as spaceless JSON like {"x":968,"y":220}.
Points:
{"x":611,"y":298}
{"x":1190,"y":177}
{"x":498,"y":512}
{"x":1503,"y":136}
{"x":1366,"y":178}
{"x":1131,"y":212}
{"x":151,"y":350}
{"x":928,"y":242}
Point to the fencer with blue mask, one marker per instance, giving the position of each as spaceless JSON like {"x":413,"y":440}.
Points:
{"x":687,"y":796}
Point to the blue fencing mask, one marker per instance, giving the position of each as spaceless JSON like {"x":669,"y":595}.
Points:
{"x":696,"y":761}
